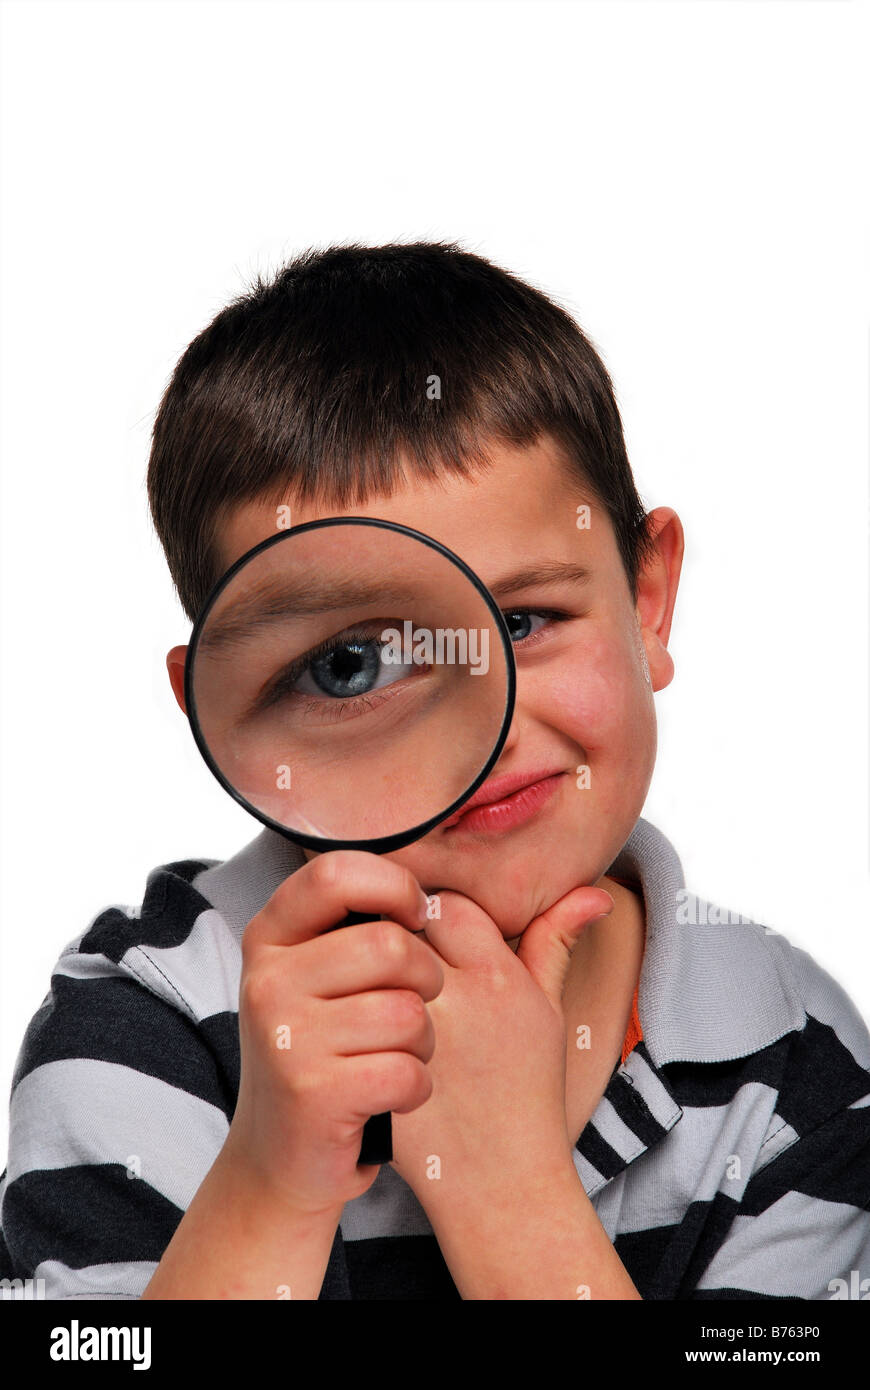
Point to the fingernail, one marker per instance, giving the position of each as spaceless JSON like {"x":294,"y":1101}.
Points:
{"x":605,"y":912}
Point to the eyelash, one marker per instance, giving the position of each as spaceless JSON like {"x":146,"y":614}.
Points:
{"x":335,"y":710}
{"x":284,"y":682}
{"x":555,"y":615}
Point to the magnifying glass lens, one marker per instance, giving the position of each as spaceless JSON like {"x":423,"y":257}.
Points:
{"x":350,"y":682}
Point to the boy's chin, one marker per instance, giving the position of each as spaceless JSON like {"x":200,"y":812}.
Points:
{"x":527,"y":889}
{"x":523,"y":886}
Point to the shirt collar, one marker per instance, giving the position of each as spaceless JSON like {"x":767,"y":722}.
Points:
{"x":241,"y":886}
{"x":714,"y":985}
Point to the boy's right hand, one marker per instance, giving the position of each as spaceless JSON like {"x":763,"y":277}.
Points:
{"x":351,"y":1004}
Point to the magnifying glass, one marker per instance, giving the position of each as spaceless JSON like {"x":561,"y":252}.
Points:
{"x":351,"y":683}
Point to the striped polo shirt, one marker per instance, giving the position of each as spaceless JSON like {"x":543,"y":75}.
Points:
{"x":729,"y":1156}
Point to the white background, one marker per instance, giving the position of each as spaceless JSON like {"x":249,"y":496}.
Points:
{"x":688,"y":179}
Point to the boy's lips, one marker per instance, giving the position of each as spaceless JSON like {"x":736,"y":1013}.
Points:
{"x":504,"y":802}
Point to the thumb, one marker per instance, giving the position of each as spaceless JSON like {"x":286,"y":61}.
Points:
{"x":547,"y":943}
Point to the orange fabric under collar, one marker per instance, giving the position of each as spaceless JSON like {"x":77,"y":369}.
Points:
{"x":634,"y":1033}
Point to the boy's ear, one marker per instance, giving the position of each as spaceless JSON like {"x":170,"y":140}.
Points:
{"x":657,"y":586}
{"x":175,"y":666}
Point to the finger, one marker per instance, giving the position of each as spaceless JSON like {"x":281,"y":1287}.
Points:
{"x":387,"y":1020}
{"x":322,"y":892}
{"x":368,"y":956}
{"x":547,"y":943}
{"x":373,"y":1082}
{"x":464,"y":935}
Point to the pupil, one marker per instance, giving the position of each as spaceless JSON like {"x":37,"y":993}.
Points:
{"x":348,"y":670}
{"x":519,"y":625}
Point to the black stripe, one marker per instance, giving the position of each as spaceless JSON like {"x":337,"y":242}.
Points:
{"x":117,"y":1020}
{"x":709,"y":1225}
{"x":832,"y":1163}
{"x":698,"y":1084}
{"x":821,"y":1076}
{"x":335,"y":1284}
{"x":7,"y":1270}
{"x":87,"y":1214}
{"x":642,"y":1253}
{"x":666,"y":1262}
{"x":398,"y":1267}
{"x":598,"y":1152}
{"x":725,"y":1294}
{"x":221,"y":1032}
{"x":167,"y":915}
{"x":633,"y":1110}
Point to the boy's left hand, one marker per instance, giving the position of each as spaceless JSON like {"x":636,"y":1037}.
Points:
{"x":497,"y":1109}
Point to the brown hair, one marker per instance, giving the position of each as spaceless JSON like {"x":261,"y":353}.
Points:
{"x":316,"y":380}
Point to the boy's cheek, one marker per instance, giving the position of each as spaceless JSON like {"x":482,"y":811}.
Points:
{"x":594,"y":696}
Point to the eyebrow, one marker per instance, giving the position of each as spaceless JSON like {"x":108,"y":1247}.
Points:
{"x":546,"y":572}
{"x":276,"y":601}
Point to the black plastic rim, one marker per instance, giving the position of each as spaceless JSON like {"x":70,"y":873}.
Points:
{"x":385,"y":843}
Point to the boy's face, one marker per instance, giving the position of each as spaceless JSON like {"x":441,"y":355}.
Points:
{"x":585,"y":679}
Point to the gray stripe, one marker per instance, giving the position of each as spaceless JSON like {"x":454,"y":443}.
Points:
{"x":105,"y":1113}
{"x":793,"y":1249}
{"x":615,"y":1132}
{"x":117,"y":1280}
{"x":607,"y":1203}
{"x":199,"y":977}
{"x":204,"y":971}
{"x":90,"y":967}
{"x":388,"y":1208}
{"x":713,"y":1149}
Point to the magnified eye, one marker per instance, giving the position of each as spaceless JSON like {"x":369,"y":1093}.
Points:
{"x":350,"y":667}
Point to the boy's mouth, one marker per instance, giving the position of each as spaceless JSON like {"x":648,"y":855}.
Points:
{"x":506,"y":802}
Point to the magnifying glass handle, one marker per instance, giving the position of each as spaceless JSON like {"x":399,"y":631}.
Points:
{"x":377,"y":1139}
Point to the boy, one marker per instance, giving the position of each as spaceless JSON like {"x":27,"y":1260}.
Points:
{"x":598,"y":1087}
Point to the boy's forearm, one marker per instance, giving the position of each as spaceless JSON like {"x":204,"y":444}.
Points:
{"x":537,"y":1238}
{"x":237,"y":1242}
